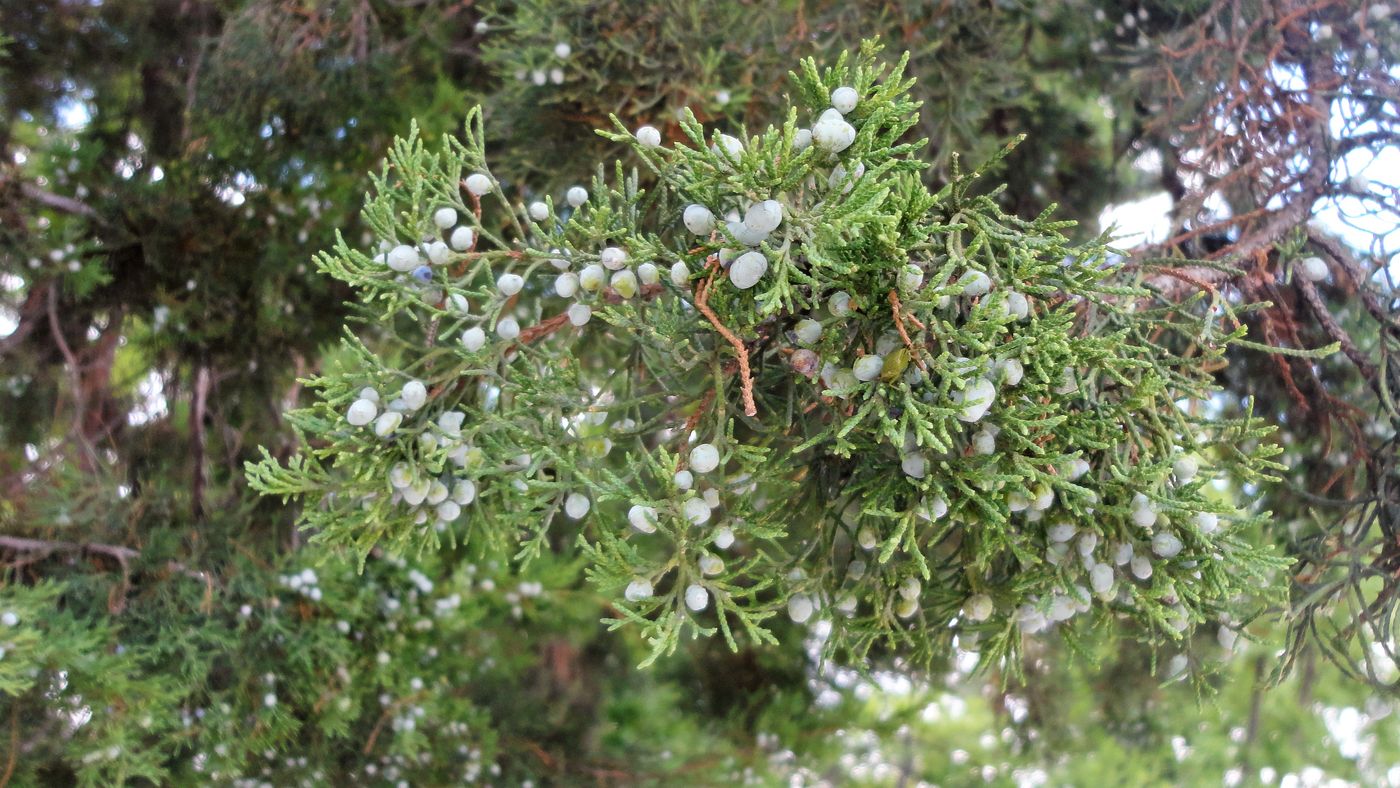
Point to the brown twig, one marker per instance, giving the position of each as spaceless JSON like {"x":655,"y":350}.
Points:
{"x":899,"y":318}
{"x":702,"y":303}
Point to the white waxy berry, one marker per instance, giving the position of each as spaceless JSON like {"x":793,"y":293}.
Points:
{"x":414,"y":394}
{"x":867,"y":368}
{"x":648,"y":274}
{"x":727,"y":145}
{"x":696,"y":511}
{"x":566,"y":284}
{"x":799,"y":608}
{"x":450,"y":422}
{"x":447,"y":511}
{"x":1061,"y":532}
{"x":1185,"y":469}
{"x":369,"y":394}
{"x":802,"y":140}
{"x":464,"y":492}
{"x":684,"y":480}
{"x":724,"y":538}
{"x":624,"y":283}
{"x":910,"y":588}
{"x":1166,"y":545}
{"x":579,"y":315}
{"x":975,"y":283}
{"x":444,"y":218}
{"x":576,"y":196}
{"x":839,"y":304}
{"x":844,"y":98}
{"x":562,"y":50}
{"x":1101,"y":578}
{"x":1207,"y":522}
{"x":361,"y":412}
{"x":710,"y":565}
{"x":400,"y":476}
{"x":911,"y":278}
{"x":905,"y":608}
{"x":438,"y":253}
{"x":637,"y":590}
{"x":642,"y":518}
{"x":508,"y":328}
{"x":748,"y":269}
{"x":1017,"y":305}
{"x":914,"y":465}
{"x":711,"y":497}
{"x":1141,"y":567}
{"x":510,"y":284}
{"x":1012,"y":371}
{"x":539,"y":211}
{"x":613,"y":258}
{"x":403,"y":258}
{"x":1313,"y":269}
{"x":975,"y":400}
{"x":576,"y":505}
{"x":867,"y":538}
{"x":832,"y":133}
{"x":978,"y":607}
{"x":698,"y":219}
{"x":1077,"y":468}
{"x":9,"y":618}
{"x":984,"y":442}
{"x":437,"y":493}
{"x":415,"y":493}
{"x":479,"y":183}
{"x":696,"y":597}
{"x":387,"y":423}
{"x":473,"y":339}
{"x":592,"y":277}
{"x":1144,"y":516}
{"x":462,"y":239}
{"x":808,"y":332}
{"x":704,"y":458}
{"x":933,"y":509}
{"x":764,"y":217}
{"x":745,"y":235}
{"x":648,"y":136}
{"x":680,"y":274}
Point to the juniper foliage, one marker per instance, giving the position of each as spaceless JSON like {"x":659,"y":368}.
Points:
{"x":993,"y":432}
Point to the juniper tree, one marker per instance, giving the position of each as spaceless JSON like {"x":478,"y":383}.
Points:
{"x":787,"y":380}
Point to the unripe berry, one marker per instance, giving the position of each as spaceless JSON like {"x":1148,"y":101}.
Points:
{"x":591,"y":278}
{"x":624,"y":283}
{"x":507,"y":328}
{"x":438,"y":253}
{"x":867,"y":538}
{"x":710,"y":565}
{"x":839,"y":304}
{"x":464,"y":492}
{"x":648,"y":274}
{"x":906,"y":608}
{"x":1185,"y":469}
{"x":1207,"y":522}
{"x":447,"y":511}
{"x":808,"y":332}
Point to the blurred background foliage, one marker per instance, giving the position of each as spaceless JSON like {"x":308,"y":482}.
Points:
{"x":167,"y":169}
